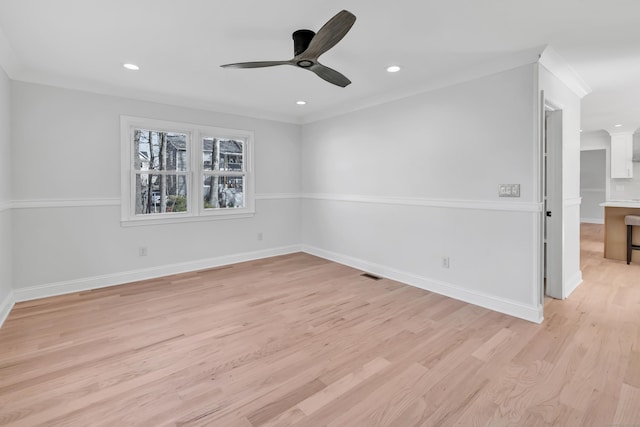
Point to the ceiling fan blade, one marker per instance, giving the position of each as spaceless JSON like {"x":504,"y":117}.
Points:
{"x":330,"y":75}
{"x":330,"y":34}
{"x":257,"y":64}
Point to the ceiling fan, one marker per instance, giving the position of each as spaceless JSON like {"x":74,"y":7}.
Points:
{"x":308,"y":46}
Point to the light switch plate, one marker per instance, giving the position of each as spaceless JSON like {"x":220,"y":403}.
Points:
{"x":509,"y":190}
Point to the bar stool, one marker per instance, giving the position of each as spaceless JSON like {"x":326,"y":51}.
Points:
{"x":630,"y":221}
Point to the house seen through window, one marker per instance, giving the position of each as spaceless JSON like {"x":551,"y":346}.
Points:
{"x":223,"y":175}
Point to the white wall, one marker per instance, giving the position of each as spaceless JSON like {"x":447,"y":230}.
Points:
{"x":593,"y":178}
{"x":599,"y":140}
{"x":6,"y":295}
{"x":66,"y":154}
{"x":562,"y":97}
{"x":396,"y":187}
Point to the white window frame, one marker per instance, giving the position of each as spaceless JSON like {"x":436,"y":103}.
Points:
{"x":195,"y":194}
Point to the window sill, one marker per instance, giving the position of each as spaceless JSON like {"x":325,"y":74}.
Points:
{"x":213,"y":216}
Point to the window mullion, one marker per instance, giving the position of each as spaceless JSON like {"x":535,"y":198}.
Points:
{"x":223,"y":173}
{"x":194,"y":176}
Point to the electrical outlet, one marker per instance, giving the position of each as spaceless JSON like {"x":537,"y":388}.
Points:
{"x":445,"y":262}
{"x":142,"y":251}
{"x":260,"y":236}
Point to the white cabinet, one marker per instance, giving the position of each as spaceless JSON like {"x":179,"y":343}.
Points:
{"x":621,"y":155}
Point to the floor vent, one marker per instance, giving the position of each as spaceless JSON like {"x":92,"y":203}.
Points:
{"x":370,"y":276}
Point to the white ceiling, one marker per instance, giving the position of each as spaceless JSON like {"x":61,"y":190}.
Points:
{"x":180,"y":44}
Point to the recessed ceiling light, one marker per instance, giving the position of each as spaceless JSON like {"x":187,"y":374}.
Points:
{"x":580,"y":130}
{"x":393,"y":69}
{"x":618,"y":126}
{"x":131,"y":67}
{"x":301,"y":102}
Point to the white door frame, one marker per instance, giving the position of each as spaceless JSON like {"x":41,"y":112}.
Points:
{"x":553,"y":226}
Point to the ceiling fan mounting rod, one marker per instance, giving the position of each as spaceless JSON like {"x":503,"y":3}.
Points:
{"x":301,"y":40}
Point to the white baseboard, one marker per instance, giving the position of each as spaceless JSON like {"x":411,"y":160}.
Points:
{"x":573,"y":283}
{"x":88,"y":283}
{"x":5,"y":307}
{"x":522,"y":311}
{"x":592,"y":220}
{"x":530,"y":313}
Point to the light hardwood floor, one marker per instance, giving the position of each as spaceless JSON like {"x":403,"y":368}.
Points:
{"x":297,"y":340}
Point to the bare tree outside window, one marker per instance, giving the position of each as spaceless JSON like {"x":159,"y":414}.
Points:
{"x":160,"y":172}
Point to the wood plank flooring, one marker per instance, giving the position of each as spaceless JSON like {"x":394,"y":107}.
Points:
{"x":298,"y":340}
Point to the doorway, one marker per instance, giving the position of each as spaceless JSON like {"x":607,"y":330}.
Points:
{"x":593,"y":185}
{"x":552,"y":202}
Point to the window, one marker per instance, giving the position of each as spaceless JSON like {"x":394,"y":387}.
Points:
{"x":223,"y":173}
{"x":163,"y":162}
{"x":160,"y":171}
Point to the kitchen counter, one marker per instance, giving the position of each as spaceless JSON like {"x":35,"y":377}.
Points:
{"x":615,"y":231}
{"x":621,"y":203}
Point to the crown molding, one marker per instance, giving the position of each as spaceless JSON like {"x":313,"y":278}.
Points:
{"x":494,"y":66}
{"x":620,"y":133}
{"x":129,"y":93}
{"x":556,"y":65}
{"x":545,"y":55}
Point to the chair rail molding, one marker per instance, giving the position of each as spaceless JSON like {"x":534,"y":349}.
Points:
{"x":441,"y":203}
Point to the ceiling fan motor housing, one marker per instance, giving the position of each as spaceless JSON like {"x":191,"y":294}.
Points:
{"x":301,"y":40}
